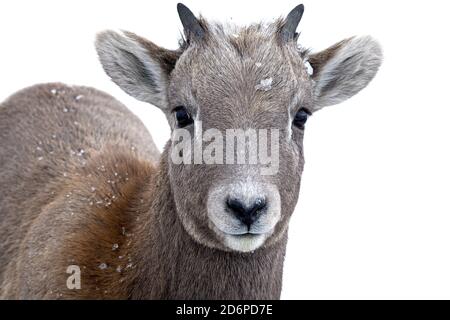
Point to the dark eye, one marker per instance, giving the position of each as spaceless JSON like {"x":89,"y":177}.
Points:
{"x":300,"y":118}
{"x":183,"y":117}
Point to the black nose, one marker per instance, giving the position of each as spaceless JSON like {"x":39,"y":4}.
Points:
{"x":247,"y":214}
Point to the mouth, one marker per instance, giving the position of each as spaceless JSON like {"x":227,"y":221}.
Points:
{"x":246,"y":242}
{"x":239,"y":233}
{"x":240,"y":230}
{"x":242,"y":240}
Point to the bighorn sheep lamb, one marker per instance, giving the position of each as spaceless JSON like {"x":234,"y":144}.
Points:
{"x":88,"y":207}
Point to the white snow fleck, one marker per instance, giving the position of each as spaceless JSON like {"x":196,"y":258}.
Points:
{"x":65,"y":110}
{"x":308,"y":67}
{"x":93,"y":189}
{"x":64,"y":174}
{"x":115,"y":247}
{"x":40,"y":158}
{"x":81,"y":152}
{"x":129,"y":266}
{"x":119,"y":269}
{"x":258,"y":64}
{"x":107,"y":202}
{"x":79,"y":97}
{"x":103,"y":266}
{"x":264,"y":85}
{"x":235,"y":35}
{"x":54,"y":91}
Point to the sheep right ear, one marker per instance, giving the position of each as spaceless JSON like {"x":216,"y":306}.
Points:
{"x":136,"y":65}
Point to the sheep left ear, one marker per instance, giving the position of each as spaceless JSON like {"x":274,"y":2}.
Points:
{"x":344,"y":69}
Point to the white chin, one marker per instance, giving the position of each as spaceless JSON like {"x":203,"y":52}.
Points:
{"x":245,"y":242}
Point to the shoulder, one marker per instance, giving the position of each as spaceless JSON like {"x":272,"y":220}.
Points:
{"x":88,"y":226}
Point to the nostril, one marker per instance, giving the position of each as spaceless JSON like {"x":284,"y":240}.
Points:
{"x":236,"y":206}
{"x":259,"y":204}
{"x":246,"y":214}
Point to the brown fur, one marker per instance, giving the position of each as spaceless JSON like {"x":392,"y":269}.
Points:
{"x":81,"y":182}
{"x":47,"y":203}
{"x":157,"y":258}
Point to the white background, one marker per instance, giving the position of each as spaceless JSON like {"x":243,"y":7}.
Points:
{"x":373,"y":220}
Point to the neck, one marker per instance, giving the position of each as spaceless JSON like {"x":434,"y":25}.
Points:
{"x":171,"y":265}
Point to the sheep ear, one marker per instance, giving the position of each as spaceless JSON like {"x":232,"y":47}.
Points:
{"x":344,"y":69}
{"x":136,"y":65}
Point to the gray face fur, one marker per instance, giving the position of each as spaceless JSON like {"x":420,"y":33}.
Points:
{"x":215,"y":75}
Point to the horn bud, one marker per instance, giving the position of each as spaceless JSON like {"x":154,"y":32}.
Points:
{"x":288,"y":31}
{"x":191,"y":25}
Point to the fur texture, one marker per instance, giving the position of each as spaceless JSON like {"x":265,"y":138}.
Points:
{"x":82,"y":183}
